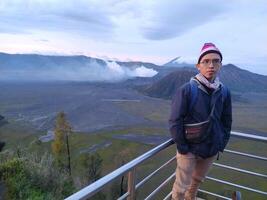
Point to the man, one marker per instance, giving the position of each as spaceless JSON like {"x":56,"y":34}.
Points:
{"x":200,"y":123}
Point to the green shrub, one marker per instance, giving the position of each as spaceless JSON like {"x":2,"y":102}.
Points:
{"x":14,"y":175}
{"x":34,"y":177}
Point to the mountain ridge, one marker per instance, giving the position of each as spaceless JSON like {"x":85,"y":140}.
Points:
{"x":59,"y":59}
{"x":238,"y":80}
{"x":83,"y":68}
{"x":77,"y":68}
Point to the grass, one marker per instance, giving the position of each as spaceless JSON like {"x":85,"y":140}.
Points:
{"x":242,"y":145}
{"x":246,"y":116}
{"x":17,"y":134}
{"x":156,"y":110}
{"x":252,"y":115}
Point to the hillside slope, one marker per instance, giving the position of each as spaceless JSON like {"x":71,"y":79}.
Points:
{"x":236,"y":79}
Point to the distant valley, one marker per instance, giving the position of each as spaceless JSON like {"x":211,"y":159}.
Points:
{"x":127,"y":100}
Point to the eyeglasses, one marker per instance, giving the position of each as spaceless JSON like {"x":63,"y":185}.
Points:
{"x":207,"y":62}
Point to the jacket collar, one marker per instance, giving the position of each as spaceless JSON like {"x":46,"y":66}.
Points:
{"x":200,"y":86}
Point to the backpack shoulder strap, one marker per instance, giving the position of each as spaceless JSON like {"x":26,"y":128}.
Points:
{"x":193,"y":94}
{"x":224,"y":92}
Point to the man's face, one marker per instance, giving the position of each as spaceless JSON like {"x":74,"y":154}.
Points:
{"x":209,"y":65}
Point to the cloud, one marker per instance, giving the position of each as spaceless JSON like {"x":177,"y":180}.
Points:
{"x":169,"y":19}
{"x":156,"y":20}
{"x":81,"y":17}
{"x":43,"y":40}
{"x":7,"y":29}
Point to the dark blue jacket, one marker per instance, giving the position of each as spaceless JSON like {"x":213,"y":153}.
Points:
{"x":221,"y":121}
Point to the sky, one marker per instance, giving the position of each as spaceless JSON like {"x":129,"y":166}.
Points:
{"x":136,"y":30}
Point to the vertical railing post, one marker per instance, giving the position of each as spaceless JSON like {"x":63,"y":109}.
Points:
{"x":131,"y":184}
{"x":236,"y":195}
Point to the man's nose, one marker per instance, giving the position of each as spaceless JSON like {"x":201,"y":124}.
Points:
{"x":211,"y":64}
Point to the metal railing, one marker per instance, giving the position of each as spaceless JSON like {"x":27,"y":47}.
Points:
{"x":131,"y":167}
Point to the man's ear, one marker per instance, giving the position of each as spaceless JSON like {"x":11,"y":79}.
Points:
{"x":197,"y":66}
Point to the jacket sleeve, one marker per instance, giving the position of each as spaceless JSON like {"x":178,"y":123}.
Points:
{"x":226,"y":119}
{"x":178,"y":113}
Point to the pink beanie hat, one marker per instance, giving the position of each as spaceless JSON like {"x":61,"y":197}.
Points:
{"x":208,"y":48}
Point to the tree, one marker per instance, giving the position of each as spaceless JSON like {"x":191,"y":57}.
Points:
{"x":92,"y":169}
{"x":92,"y":165}
{"x":2,"y":144}
{"x":60,"y":146}
{"x":118,"y":189}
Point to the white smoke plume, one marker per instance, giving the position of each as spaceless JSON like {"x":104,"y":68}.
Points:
{"x":90,"y":71}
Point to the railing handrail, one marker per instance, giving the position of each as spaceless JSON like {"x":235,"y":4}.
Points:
{"x":95,"y":187}
{"x":249,"y":136}
{"x":99,"y":184}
